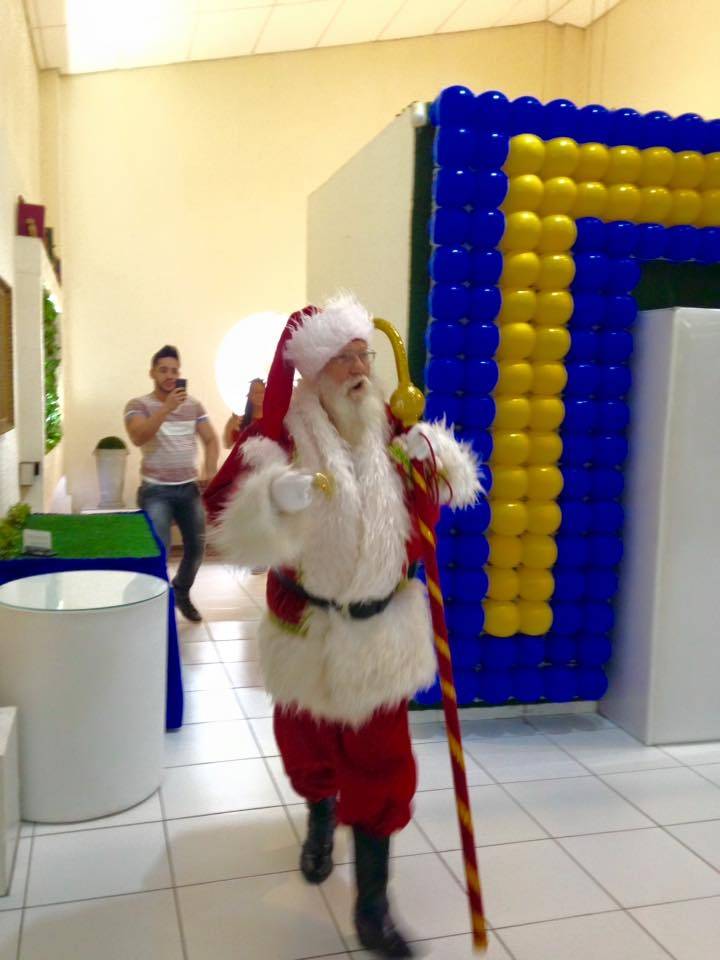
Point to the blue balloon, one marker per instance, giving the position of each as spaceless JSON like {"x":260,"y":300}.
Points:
{"x":485,"y":267}
{"x":559,"y":684}
{"x":601,"y":584}
{"x":561,"y":648}
{"x":614,"y":382}
{"x":471,"y":551}
{"x":607,"y":484}
{"x":481,"y":442}
{"x":446,"y":552}
{"x":444,"y":339}
{"x":591,"y":682}
{"x":577,"y":449}
{"x":569,"y":585}
{"x":576,"y":482}
{"x":465,"y":652}
{"x":621,"y":312}
{"x":613,"y":415}
{"x":475,"y":519}
{"x":492,"y":111}
{"x":495,"y":686}
{"x":450,"y":225}
{"x":616,"y":346}
{"x":530,"y":650}
{"x":575,"y":516}
{"x":711,"y":144}
{"x":625,"y":127}
{"x":609,"y":450}
{"x":429,"y":697}
{"x":481,"y":340}
{"x":477,"y":411}
{"x":624,"y":275}
{"x":527,"y":684}
{"x":605,"y":551}
{"x":481,"y":376}
{"x":708,"y":250}
{"x":681,"y":243}
{"x":584,"y":346}
{"x":485,"y":303}
{"x":656,"y":129}
{"x":590,"y":235}
{"x":592,"y":271}
{"x":445,"y":375}
{"x":464,"y":619}
{"x":580,"y":415}
{"x":572,"y":549}
{"x":450,"y":265}
{"x":449,"y":302}
{"x":455,"y":106}
{"x":526,"y":116}
{"x":491,"y":187}
{"x":688,"y":132}
{"x":485,"y":477}
{"x":455,"y":188}
{"x":592,"y":124}
{"x":607,"y":516}
{"x":439,"y":405}
{"x":589,"y":311}
{"x":455,"y":146}
{"x":650,"y":241}
{"x":499,"y":653}
{"x":583,"y":379}
{"x":559,"y":119}
{"x":491,"y":150}
{"x":594,"y":649}
{"x":567,"y":618}
{"x":620,"y":238}
{"x":467,"y":686}
{"x":488,"y":225}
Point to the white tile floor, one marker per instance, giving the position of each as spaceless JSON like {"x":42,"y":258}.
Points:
{"x":589,"y":843}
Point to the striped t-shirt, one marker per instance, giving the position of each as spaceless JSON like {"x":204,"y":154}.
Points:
{"x":170,"y":456}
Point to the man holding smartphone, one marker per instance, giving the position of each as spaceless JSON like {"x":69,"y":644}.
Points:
{"x":165,"y":425}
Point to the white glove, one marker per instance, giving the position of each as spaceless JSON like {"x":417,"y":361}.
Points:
{"x":417,"y":443}
{"x":292,"y":491}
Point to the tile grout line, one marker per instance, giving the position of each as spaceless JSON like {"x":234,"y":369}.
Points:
{"x":173,"y":879}
{"x":21,"y":928}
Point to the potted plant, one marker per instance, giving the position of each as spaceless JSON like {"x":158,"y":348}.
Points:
{"x":110,"y":455}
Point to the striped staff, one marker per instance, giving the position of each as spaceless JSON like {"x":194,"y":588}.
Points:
{"x":407,"y":403}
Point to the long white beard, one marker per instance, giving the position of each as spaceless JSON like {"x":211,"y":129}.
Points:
{"x":352,"y":415}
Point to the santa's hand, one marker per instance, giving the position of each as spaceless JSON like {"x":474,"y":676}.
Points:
{"x":292,"y":491}
{"x":417,"y":443}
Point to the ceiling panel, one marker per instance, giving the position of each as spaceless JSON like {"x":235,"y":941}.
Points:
{"x":360,"y":23}
{"x":296,"y":26}
{"x":417,"y":18}
{"x":476,"y":15}
{"x":156,"y":41}
{"x":577,"y":13}
{"x":524,"y":11}
{"x":223,"y":6}
{"x":230,"y":33}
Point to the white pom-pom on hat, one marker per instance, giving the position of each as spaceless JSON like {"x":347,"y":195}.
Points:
{"x":323,"y":333}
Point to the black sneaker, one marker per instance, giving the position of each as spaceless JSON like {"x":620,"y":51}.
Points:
{"x":186,"y":607}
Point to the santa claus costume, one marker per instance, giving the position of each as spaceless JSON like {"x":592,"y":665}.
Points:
{"x":346,"y":639}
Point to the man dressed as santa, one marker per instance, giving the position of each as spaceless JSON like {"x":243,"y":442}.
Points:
{"x":346,"y":639}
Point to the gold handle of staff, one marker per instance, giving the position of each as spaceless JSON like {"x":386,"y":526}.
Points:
{"x":407,"y":402}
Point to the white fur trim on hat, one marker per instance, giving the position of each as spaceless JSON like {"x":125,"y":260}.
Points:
{"x":323,"y":334}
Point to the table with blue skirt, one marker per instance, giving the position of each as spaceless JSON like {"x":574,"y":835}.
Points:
{"x":107,"y":541}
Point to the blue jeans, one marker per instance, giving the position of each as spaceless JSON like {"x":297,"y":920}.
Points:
{"x":180,"y":503}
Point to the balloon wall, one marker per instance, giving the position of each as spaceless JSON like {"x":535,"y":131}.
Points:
{"x":543,"y":217}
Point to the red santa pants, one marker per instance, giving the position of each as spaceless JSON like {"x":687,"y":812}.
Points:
{"x":371,"y":770}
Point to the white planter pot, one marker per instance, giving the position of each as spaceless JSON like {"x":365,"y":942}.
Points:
{"x":111,"y":478}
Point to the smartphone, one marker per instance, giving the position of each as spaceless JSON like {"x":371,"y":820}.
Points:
{"x":181,"y":384}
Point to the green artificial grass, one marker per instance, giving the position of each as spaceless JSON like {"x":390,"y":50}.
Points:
{"x":97,"y":535}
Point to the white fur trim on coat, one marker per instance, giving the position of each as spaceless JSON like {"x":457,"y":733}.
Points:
{"x":322,"y":335}
{"x":343,"y":669}
{"x":456,"y":462}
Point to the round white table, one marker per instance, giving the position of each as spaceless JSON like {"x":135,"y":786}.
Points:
{"x":83,"y":657}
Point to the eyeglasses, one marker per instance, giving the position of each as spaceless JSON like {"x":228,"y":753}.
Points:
{"x":348,"y":359}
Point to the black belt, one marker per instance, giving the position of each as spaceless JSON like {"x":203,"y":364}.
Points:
{"x":356,"y":611}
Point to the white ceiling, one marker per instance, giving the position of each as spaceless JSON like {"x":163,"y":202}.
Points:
{"x":84,"y":36}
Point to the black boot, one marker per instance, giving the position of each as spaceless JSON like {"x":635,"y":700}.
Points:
{"x":185,"y":605}
{"x":316,"y":857}
{"x":373,"y":922}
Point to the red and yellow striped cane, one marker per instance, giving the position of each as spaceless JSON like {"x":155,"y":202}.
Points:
{"x":407,"y":404}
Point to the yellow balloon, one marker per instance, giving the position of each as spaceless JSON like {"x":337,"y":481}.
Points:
{"x":511,"y":413}
{"x":561,"y":158}
{"x":624,"y":166}
{"x":710,"y":215}
{"x":559,"y":196}
{"x":655,"y":205}
{"x":524,"y":193}
{"x":551,"y":343}
{"x":686,"y":207}
{"x":520,"y":270}
{"x":543,"y":516}
{"x":517,"y":341}
{"x":689,"y":170}
{"x":623,"y":202}
{"x":549,"y":378}
{"x":590,"y":200}
{"x":557,"y":271}
{"x":554,"y":308}
{"x":546,"y":413}
{"x":537,"y":585}
{"x":505,"y":552}
{"x":592,"y":162}
{"x":535,"y":618}
{"x":518,"y":306}
{"x":510,"y":448}
{"x":711,"y":179}
{"x":509,"y":483}
{"x":502,"y":618}
{"x":557,"y":234}
{"x":526,"y":155}
{"x":545,"y":448}
{"x":522,"y":231}
{"x":502,"y":584}
{"x":658,"y":164}
{"x":509,"y":517}
{"x":539,"y":551}
{"x":514,"y":378}
{"x":544,"y":483}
